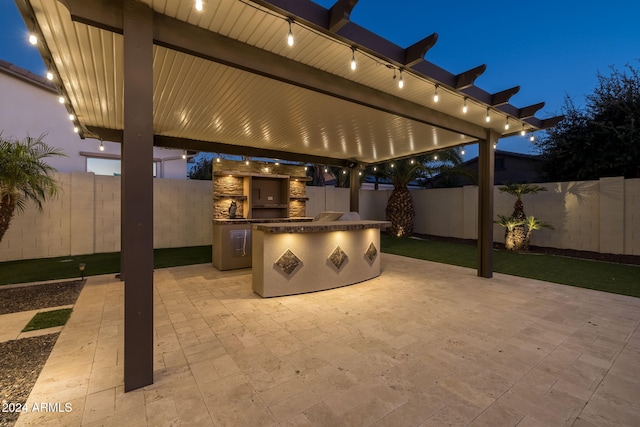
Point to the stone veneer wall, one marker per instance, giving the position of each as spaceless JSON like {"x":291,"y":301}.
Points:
{"x":227,"y":185}
{"x":224,"y":184}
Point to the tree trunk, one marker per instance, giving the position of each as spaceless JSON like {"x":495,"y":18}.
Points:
{"x":7,"y":208}
{"x":519,"y":232}
{"x":400,"y":212}
{"x":509,"y":241}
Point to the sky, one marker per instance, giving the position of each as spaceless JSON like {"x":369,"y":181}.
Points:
{"x":550,"y":48}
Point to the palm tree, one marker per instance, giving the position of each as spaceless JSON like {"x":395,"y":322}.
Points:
{"x":400,"y":209}
{"x":533,"y":224}
{"x":24,"y":176}
{"x":510,"y":224}
{"x":518,"y":190}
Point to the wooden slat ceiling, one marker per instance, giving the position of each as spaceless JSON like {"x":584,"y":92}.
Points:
{"x":196,"y":99}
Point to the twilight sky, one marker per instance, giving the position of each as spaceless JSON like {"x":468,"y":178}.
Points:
{"x":550,"y":48}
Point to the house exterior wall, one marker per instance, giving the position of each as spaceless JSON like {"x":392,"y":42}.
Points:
{"x":28,"y":109}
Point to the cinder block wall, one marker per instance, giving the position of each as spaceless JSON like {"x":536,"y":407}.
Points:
{"x":599,"y":216}
{"x":86,"y":218}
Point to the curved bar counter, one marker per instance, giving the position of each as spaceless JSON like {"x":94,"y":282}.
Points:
{"x":292,"y":258}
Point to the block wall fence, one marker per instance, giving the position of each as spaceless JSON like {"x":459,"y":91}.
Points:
{"x":600,"y":216}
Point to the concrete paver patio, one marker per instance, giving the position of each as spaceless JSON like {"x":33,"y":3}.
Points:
{"x":424,"y":344}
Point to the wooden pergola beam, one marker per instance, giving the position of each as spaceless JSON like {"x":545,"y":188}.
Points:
{"x":466,"y":79}
{"x":416,"y":52}
{"x":502,"y":97}
{"x":530,"y":111}
{"x":339,"y":14}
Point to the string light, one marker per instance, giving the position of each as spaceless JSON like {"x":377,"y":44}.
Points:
{"x":61,"y":100}
{"x":488,"y":118}
{"x":359,"y":173}
{"x":393,"y":165}
{"x":33,"y":39}
{"x":436,"y":97}
{"x":506,"y":124}
{"x":199,"y":5}
{"x":72,"y":117}
{"x":354,"y":65}
{"x":290,"y":34}
{"x":326,"y":170}
{"x":532,"y":138}
{"x":495,"y":145}
{"x":375,"y":168}
{"x":462,"y":151}
{"x":344,"y":171}
{"x":49,"y":75}
{"x":401,"y":81}
{"x":435,"y":157}
{"x":412,"y":161}
{"x":218,"y":159}
{"x":464,"y":106}
{"x":246,"y":162}
{"x":522,"y":132}
{"x":75,"y":129}
{"x":184,"y":154}
{"x":101,"y":146}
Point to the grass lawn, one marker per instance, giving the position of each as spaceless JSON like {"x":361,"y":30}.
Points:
{"x":38,"y":270}
{"x":602,"y":276}
{"x":48,"y":319}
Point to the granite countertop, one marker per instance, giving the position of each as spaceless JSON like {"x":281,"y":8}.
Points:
{"x":319,"y":226}
{"x":222,"y":221}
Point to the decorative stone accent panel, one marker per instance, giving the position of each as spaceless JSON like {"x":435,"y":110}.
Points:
{"x":297,"y":209}
{"x":227,"y":185}
{"x":288,"y":262}
{"x":297,"y":188}
{"x":338,"y":258}
{"x":371,"y":253}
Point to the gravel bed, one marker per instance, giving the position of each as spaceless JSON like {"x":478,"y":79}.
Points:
{"x":20,"y":364}
{"x":33,"y":297}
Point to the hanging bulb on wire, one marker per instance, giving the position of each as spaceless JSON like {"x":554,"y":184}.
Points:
{"x":462,"y":151}
{"x":436,"y":97}
{"x":101,"y":146}
{"x":401,"y":81}
{"x":488,"y":118}
{"x":506,"y":124}
{"x":464,"y":106}
{"x":522,"y":132}
{"x":199,"y":5}
{"x":290,"y":34}
{"x":33,"y":39}
{"x":354,"y":65}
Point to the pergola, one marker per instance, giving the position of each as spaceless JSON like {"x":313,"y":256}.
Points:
{"x":225,"y":79}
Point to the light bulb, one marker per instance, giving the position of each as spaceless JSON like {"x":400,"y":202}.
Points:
{"x":101,"y":146}
{"x":359,"y":173}
{"x":217,"y":159}
{"x":290,"y":36}
{"x":184,"y":155}
{"x":354,"y":65}
{"x":49,"y":75}
{"x":393,"y":165}
{"x":462,"y":151}
{"x":33,"y":39}
{"x":464,"y":106}
{"x":401,"y":81}
{"x":72,"y":117}
{"x":343,"y":172}
{"x":436,"y":97}
{"x":495,"y":145}
{"x":61,"y":100}
{"x":75,"y":129}
{"x":375,"y":168}
{"x":435,"y":157}
{"x":199,"y":5}
{"x":522,"y":132}
{"x":532,"y":138}
{"x":488,"y":118}
{"x":246,"y":162}
{"x":326,"y":170}
{"x":506,"y":124}
{"x":412,"y":161}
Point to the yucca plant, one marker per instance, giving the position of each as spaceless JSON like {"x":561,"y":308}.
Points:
{"x":24,"y":176}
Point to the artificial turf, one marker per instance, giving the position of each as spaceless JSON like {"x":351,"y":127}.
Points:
{"x":48,"y":319}
{"x":603,"y":276}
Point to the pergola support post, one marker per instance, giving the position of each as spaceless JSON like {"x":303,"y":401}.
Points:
{"x":137,"y":196}
{"x":354,"y":189}
{"x":486,"y":161}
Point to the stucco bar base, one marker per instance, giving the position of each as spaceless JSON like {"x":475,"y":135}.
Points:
{"x":298,"y":258}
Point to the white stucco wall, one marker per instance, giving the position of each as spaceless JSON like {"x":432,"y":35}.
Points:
{"x":30,"y":110}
